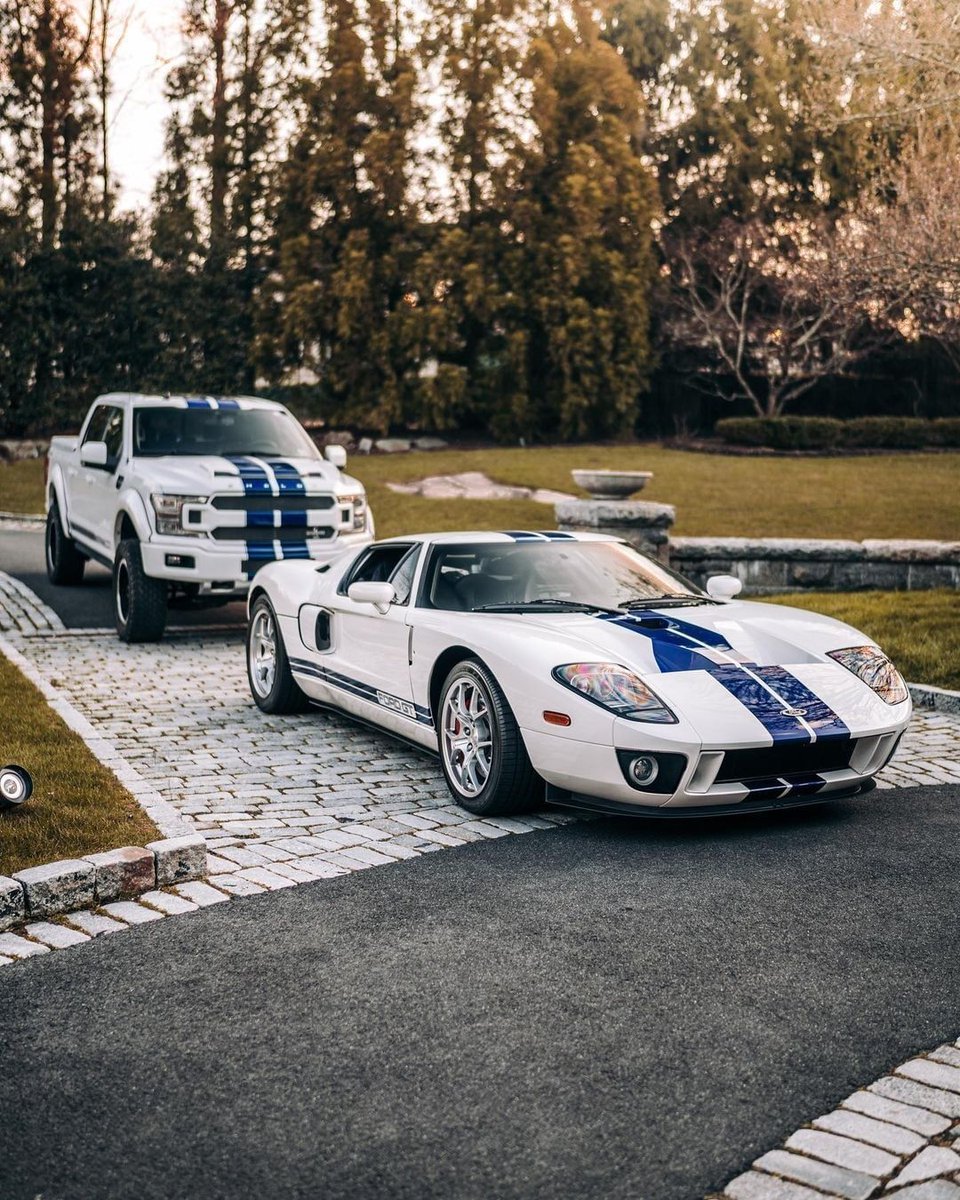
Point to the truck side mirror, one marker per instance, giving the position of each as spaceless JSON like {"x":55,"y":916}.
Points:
{"x":336,"y":455}
{"x":724,"y":587}
{"x":93,"y":454}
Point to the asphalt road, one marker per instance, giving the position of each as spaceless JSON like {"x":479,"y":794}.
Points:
{"x":89,"y":605}
{"x":611,"y":1010}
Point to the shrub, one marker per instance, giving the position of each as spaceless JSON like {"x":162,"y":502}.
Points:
{"x":782,"y":433}
{"x":891,"y":433}
{"x":946,"y":431}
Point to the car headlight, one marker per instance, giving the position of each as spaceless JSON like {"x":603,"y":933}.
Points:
{"x":169,"y":511}
{"x":870,"y":664}
{"x":616,"y":689}
{"x":354,"y":508}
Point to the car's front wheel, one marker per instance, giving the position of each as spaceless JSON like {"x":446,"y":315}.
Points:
{"x":65,"y":563}
{"x":139,"y":601}
{"x":268,"y":669}
{"x":484,"y":760}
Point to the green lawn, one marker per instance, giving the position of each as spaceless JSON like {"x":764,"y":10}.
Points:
{"x":78,"y":806}
{"x":919,"y":630}
{"x":886,"y":496}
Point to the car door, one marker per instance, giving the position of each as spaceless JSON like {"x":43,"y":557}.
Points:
{"x":370,"y":651}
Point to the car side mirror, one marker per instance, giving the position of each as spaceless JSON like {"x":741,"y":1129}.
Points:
{"x":336,"y":455}
{"x":380,"y":595}
{"x":724,"y":587}
{"x":93,"y":454}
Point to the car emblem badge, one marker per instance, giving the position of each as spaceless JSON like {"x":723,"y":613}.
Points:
{"x":795,"y":712}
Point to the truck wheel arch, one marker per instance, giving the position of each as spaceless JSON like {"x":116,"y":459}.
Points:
{"x":131,"y":520}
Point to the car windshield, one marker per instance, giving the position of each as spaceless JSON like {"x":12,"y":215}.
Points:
{"x":261,"y":431}
{"x":549,"y":576}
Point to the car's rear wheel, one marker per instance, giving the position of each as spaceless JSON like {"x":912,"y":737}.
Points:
{"x":65,"y":563}
{"x":139,"y":601}
{"x":15,"y":785}
{"x":484,"y":760}
{"x":272,"y":684}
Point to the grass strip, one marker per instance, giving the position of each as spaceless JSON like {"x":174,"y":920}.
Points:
{"x":78,"y":807}
{"x":881,"y":496}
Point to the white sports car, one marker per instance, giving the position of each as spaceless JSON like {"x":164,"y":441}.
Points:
{"x":575,"y":662}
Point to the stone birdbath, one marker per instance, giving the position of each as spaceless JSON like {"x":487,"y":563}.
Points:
{"x":611,"y":485}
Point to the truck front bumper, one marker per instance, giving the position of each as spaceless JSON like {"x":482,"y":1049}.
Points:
{"x":220,"y":570}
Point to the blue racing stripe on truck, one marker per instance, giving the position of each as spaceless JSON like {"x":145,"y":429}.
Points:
{"x":253,"y":477}
{"x":768,"y":693}
{"x":288,"y":478}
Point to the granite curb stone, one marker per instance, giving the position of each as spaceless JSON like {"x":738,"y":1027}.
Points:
{"x":122,"y":873}
{"x":179,"y":859}
{"x":58,"y":886}
{"x":13,"y":904}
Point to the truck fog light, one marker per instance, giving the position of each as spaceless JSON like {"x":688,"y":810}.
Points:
{"x":643,"y":770}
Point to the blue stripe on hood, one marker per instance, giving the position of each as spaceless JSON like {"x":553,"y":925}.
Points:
{"x":675,"y":648}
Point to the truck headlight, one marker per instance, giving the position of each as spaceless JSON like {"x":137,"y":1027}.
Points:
{"x":870,"y":664}
{"x":354,"y":509}
{"x":169,"y":512}
{"x":616,"y":689}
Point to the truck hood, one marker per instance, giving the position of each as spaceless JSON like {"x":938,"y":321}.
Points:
{"x":207,"y":475}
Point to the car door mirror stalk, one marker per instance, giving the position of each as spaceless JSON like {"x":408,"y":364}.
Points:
{"x":380,"y":595}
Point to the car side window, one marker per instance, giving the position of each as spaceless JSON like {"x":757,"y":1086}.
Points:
{"x":402,"y":577}
{"x":376,"y":564}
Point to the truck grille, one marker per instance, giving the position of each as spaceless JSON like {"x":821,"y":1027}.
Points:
{"x":268,"y":535}
{"x":272,"y":503}
{"x":827,"y":754}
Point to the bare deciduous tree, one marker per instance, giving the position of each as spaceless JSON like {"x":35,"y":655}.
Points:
{"x":765,"y":313}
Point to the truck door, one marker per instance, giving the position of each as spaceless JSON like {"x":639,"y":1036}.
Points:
{"x":93,"y":503}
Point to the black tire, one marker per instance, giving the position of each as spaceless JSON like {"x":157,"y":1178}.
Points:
{"x":65,"y":563}
{"x":139,"y":602}
{"x":507,"y":782}
{"x":275,"y":692}
{"x":16,"y":786}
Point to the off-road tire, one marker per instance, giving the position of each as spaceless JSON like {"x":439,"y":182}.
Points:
{"x":512,"y":785}
{"x":281,"y":694}
{"x":65,"y":563}
{"x":139,"y":602}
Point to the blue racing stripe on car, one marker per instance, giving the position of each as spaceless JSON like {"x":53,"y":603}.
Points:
{"x":288,"y":477}
{"x":260,"y":520}
{"x":768,"y":693}
{"x":294,"y":520}
{"x":199,"y":402}
{"x":364,"y":691}
{"x":524,"y":535}
{"x":294,"y":550}
{"x":228,"y":404}
{"x":554,"y":536}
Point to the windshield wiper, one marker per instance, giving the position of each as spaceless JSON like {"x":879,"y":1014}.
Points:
{"x":668,"y":600}
{"x":549,"y":604}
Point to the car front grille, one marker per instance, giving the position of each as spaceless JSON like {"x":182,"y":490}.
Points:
{"x":825,"y":754}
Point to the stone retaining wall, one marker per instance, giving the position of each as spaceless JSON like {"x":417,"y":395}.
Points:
{"x":769,"y":565}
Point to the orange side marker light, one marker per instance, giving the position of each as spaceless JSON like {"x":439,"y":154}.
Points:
{"x":555,"y":718}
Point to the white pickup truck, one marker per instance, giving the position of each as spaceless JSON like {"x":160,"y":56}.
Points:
{"x":185,"y":497}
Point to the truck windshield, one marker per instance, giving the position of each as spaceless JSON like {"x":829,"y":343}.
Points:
{"x":159,"y":431}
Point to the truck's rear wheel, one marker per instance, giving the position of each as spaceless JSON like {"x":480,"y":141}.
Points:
{"x":65,"y":563}
{"x":139,"y":602}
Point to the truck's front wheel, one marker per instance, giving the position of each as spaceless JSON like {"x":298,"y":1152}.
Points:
{"x":139,"y":602}
{"x":64,"y":561}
